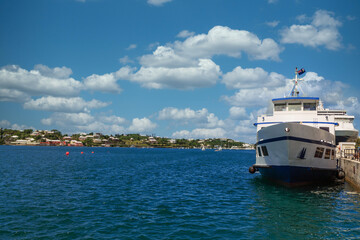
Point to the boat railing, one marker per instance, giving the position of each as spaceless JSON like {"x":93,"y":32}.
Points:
{"x":353,"y":154}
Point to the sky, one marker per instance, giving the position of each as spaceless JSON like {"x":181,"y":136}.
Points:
{"x":189,"y":69}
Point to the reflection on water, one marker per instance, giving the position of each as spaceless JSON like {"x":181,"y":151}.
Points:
{"x":120,"y":193}
{"x":310,"y":212}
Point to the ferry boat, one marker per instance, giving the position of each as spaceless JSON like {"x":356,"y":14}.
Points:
{"x":298,"y":143}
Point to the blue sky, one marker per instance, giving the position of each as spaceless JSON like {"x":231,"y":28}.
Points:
{"x":174,"y":68}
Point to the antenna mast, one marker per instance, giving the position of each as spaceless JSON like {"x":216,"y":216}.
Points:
{"x":294,"y":91}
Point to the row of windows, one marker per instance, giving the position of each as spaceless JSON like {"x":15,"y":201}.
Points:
{"x":295,"y":107}
{"x":329,"y":153}
{"x":319,"y":153}
{"x":262,"y":151}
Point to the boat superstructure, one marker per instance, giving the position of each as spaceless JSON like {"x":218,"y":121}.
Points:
{"x":297,"y":144}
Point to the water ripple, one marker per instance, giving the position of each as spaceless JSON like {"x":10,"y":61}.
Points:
{"x":161,"y":194}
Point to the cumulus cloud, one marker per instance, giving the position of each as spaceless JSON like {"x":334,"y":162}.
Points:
{"x":65,"y":119}
{"x":238,"y":113}
{"x":42,"y":80}
{"x":142,"y":125}
{"x":107,"y":82}
{"x":103,"y":83}
{"x":222,"y":40}
{"x":201,"y":133}
{"x":11,"y":95}
{"x":185,"y":116}
{"x":322,"y":31}
{"x":205,"y":74}
{"x":182,"y":114}
{"x":75,"y":122}
{"x":166,"y":57}
{"x":4,"y":124}
{"x":273,"y":23}
{"x":185,"y":34}
{"x":252,"y":78}
{"x":157,"y":2}
{"x":131,"y":46}
{"x":60,"y":104}
{"x":187,"y":64}
{"x":351,"y":104}
{"x":15,"y":126}
{"x":125,"y":60}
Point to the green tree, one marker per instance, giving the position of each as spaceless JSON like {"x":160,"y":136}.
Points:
{"x":88,"y":142}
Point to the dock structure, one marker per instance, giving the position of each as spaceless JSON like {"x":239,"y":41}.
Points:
{"x":350,"y":163}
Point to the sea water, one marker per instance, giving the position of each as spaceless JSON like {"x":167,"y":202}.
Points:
{"x":129,"y":193}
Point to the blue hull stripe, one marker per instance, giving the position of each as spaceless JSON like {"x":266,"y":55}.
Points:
{"x":333,"y":123}
{"x":295,"y":139}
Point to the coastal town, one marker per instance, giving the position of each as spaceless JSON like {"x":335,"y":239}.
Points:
{"x":30,"y":137}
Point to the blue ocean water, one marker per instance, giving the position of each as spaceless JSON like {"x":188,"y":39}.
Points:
{"x":128,"y":193}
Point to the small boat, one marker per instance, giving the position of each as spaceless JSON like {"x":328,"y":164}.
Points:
{"x":218,"y":149}
{"x":298,"y":144}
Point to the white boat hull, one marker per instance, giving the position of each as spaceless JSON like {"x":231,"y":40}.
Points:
{"x":290,"y":155}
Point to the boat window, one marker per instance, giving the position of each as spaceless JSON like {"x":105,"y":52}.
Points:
{"x":332,"y":154}
{"x":325,"y":128}
{"x":319,"y":152}
{"x":280,"y":107}
{"x":327,"y":153}
{"x":309,"y":106}
{"x":259,"y":151}
{"x":294,"y":106}
{"x":264,"y":150}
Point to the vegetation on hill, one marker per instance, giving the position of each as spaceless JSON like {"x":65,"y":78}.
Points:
{"x":9,"y":136}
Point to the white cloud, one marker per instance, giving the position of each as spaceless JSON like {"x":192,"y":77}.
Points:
{"x":5,"y":124}
{"x":188,"y":116}
{"x":185,"y":34}
{"x":57,"y":72}
{"x":182,"y":114}
{"x":187,"y":64}
{"x":238,"y":113}
{"x":112,"y":119}
{"x":351,"y":104}
{"x":103,"y":83}
{"x":205,"y":74}
{"x":10,"y":95}
{"x":125,"y":60}
{"x":104,"y":128}
{"x":65,"y":119}
{"x":107,"y":82}
{"x":200,"y":133}
{"x":157,"y":2}
{"x":131,"y":46}
{"x":273,"y":23}
{"x":142,"y":125}
{"x":75,"y":122}
{"x":166,"y":57}
{"x":222,"y":40}
{"x":15,"y":126}
{"x":312,"y":76}
{"x":39,"y":81}
{"x":60,"y":104}
{"x":241,"y":78}
{"x":323,"y":31}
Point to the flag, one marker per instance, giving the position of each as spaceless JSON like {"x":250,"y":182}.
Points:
{"x":301,"y":71}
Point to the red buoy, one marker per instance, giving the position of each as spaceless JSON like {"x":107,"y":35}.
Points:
{"x":82,"y":152}
{"x":67,"y":153}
